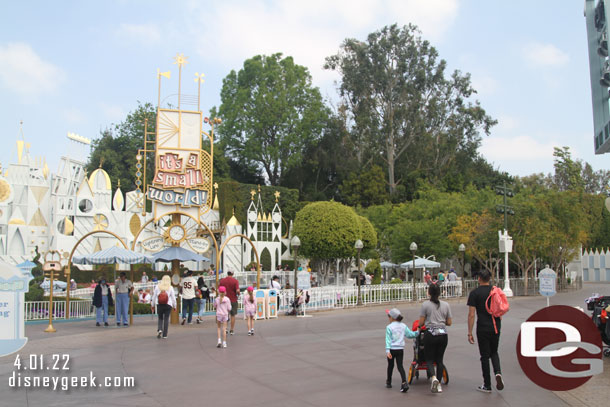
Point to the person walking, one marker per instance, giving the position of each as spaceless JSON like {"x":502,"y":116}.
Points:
{"x":436,"y":316}
{"x":204,"y":297}
{"x":395,"y":334}
{"x":250,"y":309}
{"x":187,"y":287}
{"x":123,"y":288}
{"x":487,"y":337}
{"x":223,"y":308}
{"x":232,"y":291}
{"x":102,"y":299}
{"x":164,"y":299}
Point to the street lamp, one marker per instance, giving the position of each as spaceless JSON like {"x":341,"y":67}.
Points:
{"x":358,"y":246}
{"x":462,"y":250}
{"x":413,"y":248}
{"x":295,"y":242}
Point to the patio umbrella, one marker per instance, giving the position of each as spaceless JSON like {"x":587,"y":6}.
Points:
{"x":420,"y":263}
{"x":113,"y":255}
{"x":178,"y":253}
{"x":387,"y":265}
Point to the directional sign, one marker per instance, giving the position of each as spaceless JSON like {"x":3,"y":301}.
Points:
{"x":548,"y":282}
{"x":303,"y":280}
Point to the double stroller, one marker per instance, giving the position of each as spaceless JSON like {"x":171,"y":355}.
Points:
{"x":600,"y":305}
{"x":419,"y":357}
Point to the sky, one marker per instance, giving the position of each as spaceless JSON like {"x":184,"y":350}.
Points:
{"x":79,"y":66}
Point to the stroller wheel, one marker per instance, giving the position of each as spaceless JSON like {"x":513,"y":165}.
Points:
{"x":411,"y":373}
{"x":607,"y":352}
{"x":445,"y":379}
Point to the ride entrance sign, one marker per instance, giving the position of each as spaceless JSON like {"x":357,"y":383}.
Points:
{"x":548,"y":283}
{"x":303,"y":280}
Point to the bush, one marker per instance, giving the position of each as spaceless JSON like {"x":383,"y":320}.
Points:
{"x":396,"y":281}
{"x":35,"y":293}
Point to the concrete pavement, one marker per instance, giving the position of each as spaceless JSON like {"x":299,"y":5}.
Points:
{"x":334,"y":358}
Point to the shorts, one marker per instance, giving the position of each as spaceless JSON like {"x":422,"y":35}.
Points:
{"x":250,"y":313}
{"x":234,"y":306}
{"x":222,"y":318}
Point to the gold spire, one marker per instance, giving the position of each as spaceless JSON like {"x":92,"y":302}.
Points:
{"x":180,"y":60}
{"x":252,"y":193}
{"x":259,"y":188}
{"x":101,"y":162}
{"x":277,"y":196}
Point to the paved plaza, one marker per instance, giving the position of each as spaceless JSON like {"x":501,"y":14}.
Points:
{"x":333,"y":358}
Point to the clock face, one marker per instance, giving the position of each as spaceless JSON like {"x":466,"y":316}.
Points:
{"x":276,"y":217}
{"x":176,"y":233}
{"x":252,"y":216}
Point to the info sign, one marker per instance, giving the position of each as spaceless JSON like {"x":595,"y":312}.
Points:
{"x":548,"y":282}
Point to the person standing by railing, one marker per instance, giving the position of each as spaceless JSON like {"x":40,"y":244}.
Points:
{"x":123,"y":289}
{"x":102,"y":299}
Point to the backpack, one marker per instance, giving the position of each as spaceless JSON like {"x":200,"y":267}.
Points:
{"x":162,"y":298}
{"x":496,"y":305}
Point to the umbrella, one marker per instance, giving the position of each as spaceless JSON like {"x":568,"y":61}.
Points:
{"x":113,"y":255}
{"x":387,"y":265}
{"x":57,"y":285}
{"x":420,"y":263}
{"x":27,"y":265}
{"x":178,"y":253}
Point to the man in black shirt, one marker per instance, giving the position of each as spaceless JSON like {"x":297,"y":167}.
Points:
{"x":486,"y":336}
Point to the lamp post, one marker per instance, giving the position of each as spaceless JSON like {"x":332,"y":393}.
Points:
{"x":462,"y":250}
{"x":413,"y":248}
{"x":358,"y":246}
{"x":295,"y":242}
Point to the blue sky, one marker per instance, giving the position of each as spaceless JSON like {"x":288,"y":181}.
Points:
{"x":78,"y":66}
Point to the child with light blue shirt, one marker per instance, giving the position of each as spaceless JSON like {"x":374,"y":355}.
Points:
{"x":395,"y":334}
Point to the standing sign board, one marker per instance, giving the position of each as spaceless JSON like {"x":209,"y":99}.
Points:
{"x":14,"y":283}
{"x":260,"y":304}
{"x":303,"y":280}
{"x":272,"y":303}
{"x":548,"y":283}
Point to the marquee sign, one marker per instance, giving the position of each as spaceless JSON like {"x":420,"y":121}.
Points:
{"x":183,"y":170}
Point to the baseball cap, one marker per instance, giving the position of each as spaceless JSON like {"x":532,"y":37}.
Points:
{"x":394,"y":312}
{"x":222,"y":289}
{"x":250,"y":288}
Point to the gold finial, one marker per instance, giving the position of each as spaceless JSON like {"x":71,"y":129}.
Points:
{"x":252,"y":193}
{"x":101,"y":162}
{"x":119,"y":183}
{"x":233,"y":211}
{"x":277,"y":196}
{"x":180,"y":60}
{"x":259,"y":189}
{"x":199,"y":77}
{"x":167,"y":74}
{"x":216,"y":185}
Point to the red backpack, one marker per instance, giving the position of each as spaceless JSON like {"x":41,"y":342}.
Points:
{"x":162,"y":298}
{"x":496,"y":305}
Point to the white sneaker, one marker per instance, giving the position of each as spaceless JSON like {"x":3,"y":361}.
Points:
{"x":435,"y":384}
{"x":439,"y":389}
{"x":224,"y":344}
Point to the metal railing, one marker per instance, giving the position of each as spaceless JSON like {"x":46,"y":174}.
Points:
{"x":320,"y":298}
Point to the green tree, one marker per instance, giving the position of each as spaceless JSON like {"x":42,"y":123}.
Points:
{"x":567,"y":171}
{"x":364,"y":188}
{"x":271,"y":113}
{"x":400,"y":102}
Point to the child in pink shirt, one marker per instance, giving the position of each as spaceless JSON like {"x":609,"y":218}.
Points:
{"x":250,"y":309}
{"x":223,"y":307}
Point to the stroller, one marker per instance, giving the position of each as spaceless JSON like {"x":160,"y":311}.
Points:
{"x":419,"y":358}
{"x":296,"y":305}
{"x":600,"y":305}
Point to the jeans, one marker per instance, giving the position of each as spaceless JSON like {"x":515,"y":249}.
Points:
{"x":101,"y":313}
{"x":163,"y":311}
{"x":122,"y":307}
{"x":488,"y":348}
{"x":201,"y":309}
{"x":434,"y":348}
{"x":397,"y":355}
{"x":188,"y":305}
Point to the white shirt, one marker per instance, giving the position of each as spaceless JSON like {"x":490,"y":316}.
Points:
{"x":122,"y":287}
{"x":144,"y":279}
{"x":145,"y":298}
{"x":171,"y":297}
{"x":275,"y":285}
{"x":189,"y":284}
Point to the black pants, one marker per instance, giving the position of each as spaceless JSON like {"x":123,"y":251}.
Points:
{"x":434,"y":347}
{"x":164,"y":311}
{"x":488,"y":348}
{"x":397,"y":355}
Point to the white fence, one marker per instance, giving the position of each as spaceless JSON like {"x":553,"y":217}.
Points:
{"x":36,"y":310}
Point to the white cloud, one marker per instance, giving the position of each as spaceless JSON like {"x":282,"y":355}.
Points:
{"x":113,"y":113}
{"x":309,"y":31}
{"x":539,"y":54}
{"x":142,"y":33}
{"x":25,"y":73}
{"x":506,"y":124}
{"x":520,"y":155}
